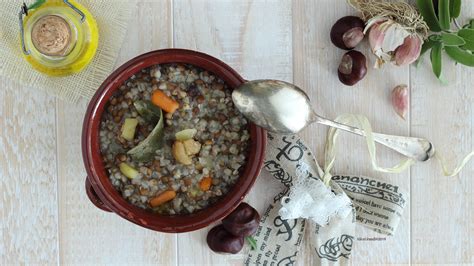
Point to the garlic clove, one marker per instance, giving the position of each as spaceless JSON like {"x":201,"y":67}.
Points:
{"x":376,"y":36}
{"x":400,"y":100}
{"x":409,"y":51}
{"x":394,"y":36}
{"x":386,"y":37}
{"x":373,"y":21}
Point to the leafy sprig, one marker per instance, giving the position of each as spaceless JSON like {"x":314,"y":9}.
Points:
{"x":457,"y":43}
{"x":252,"y":242}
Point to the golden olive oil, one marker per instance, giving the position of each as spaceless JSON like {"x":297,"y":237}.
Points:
{"x":82,"y":37}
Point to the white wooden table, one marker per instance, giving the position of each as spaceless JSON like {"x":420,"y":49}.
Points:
{"x":46,"y":218}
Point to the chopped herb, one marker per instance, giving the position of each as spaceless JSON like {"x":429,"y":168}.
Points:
{"x":252,"y":242}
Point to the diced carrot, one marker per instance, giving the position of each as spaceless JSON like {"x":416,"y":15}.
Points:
{"x":160,"y":99}
{"x":205,"y":183}
{"x":162,"y":198}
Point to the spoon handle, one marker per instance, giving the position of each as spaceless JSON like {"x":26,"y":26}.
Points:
{"x":416,"y":148}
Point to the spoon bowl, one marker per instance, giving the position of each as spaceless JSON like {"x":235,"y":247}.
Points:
{"x":282,"y":107}
{"x":274,"y":105}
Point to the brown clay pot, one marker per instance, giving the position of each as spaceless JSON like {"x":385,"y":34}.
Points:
{"x":98,"y":186}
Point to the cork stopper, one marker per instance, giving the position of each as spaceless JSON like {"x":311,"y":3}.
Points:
{"x":51,"y":35}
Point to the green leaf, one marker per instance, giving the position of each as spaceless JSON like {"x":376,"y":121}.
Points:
{"x":148,"y":111}
{"x":454,"y":8}
{"x":145,"y":150}
{"x":461,"y":56}
{"x":450,"y":39}
{"x":427,"y":11}
{"x":252,"y":242}
{"x":435,"y":37}
{"x":427,"y":45}
{"x":443,"y":11}
{"x":436,"y":59}
{"x":468,"y":36}
{"x":469,"y":45}
{"x":469,"y":25}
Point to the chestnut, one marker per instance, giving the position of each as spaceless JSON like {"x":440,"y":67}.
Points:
{"x":221,"y":241}
{"x":352,"y":68}
{"x":243,"y":221}
{"x":347,"y":32}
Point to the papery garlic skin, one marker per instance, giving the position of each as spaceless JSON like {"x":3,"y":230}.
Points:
{"x":401,"y":100}
{"x":391,"y":42}
{"x":376,"y":37}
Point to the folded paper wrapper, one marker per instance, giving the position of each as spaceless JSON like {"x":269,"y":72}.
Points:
{"x":375,"y":204}
{"x":112,"y":18}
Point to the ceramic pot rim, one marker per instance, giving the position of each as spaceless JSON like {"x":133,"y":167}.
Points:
{"x":99,"y":180}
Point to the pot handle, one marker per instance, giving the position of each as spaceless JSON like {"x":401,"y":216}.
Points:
{"x":94,"y":198}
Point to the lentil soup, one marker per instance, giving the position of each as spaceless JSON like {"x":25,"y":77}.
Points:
{"x":171,"y":139}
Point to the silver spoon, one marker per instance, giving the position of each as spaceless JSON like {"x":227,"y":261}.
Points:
{"x":282,"y":107}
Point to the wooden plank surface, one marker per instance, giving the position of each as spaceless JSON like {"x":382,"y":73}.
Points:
{"x":442,"y":207}
{"x":315,"y":69}
{"x":88,"y":235}
{"x":46,"y":218}
{"x":28,"y":189}
{"x":256,"y":48}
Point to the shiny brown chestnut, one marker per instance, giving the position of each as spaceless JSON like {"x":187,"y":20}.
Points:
{"x":352,"y":68}
{"x":221,"y":241}
{"x":243,"y":221}
{"x":347,"y":32}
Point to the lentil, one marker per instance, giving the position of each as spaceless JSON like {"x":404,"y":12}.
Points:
{"x":205,"y":105}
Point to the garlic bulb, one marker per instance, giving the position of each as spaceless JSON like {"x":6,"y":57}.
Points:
{"x":400,"y":100}
{"x":392,"y":42}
